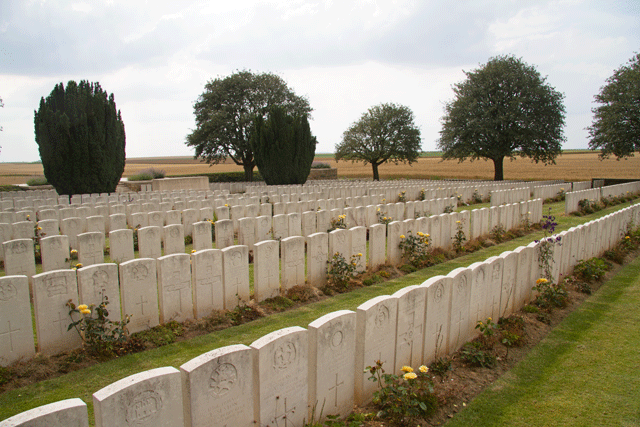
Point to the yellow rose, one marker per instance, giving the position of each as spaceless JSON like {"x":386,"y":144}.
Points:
{"x":82,"y":307}
{"x":193,"y":251}
{"x":541,"y":280}
{"x":409,"y":376}
{"x":407,"y":369}
{"x":78,"y":265}
{"x":402,"y":236}
{"x":423,"y":369}
{"x":359,"y":254}
{"x":85,"y":311}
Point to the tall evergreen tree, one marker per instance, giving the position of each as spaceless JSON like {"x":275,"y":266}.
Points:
{"x":283,"y":147}
{"x":81,"y":139}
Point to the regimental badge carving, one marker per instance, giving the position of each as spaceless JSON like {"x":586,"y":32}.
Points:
{"x":7,"y":291}
{"x":439,"y":293}
{"x":462,"y":284}
{"x":140,"y":272}
{"x":337,"y":338}
{"x":19,"y":248}
{"x":143,"y":406}
{"x":497,"y":274}
{"x":284,"y":355}
{"x":382,"y":316}
{"x":56,"y":286}
{"x":223,"y":379}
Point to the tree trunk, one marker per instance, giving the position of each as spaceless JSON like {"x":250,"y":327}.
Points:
{"x":376,"y":176}
{"x":248,"y":172}
{"x":498,"y":168}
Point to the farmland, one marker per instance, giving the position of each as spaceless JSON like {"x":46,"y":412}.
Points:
{"x":570,"y":166}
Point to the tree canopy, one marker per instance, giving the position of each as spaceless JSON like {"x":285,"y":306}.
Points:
{"x":226,"y":110}
{"x":386,"y":132}
{"x":503,"y":109}
{"x":283,"y":147}
{"x":81,"y":139}
{"x":616,"y":122}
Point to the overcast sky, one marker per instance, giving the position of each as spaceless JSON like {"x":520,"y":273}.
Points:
{"x":345,"y":56}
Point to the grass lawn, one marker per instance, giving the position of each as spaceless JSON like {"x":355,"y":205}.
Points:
{"x":84,"y":383}
{"x":585,"y":373}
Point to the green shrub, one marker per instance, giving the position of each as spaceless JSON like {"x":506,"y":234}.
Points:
{"x":320,"y":165}
{"x":473,"y":354}
{"x":147,"y":175}
{"x":39,"y":180}
{"x":591,"y":270}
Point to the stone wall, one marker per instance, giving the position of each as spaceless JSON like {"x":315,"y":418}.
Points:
{"x":323,"y":174}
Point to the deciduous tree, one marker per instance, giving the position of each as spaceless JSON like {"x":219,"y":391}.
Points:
{"x":283,"y":147}
{"x":503,"y":109}
{"x":81,"y":139}
{"x":616,"y":122}
{"x":386,"y":132}
{"x":225,"y":112}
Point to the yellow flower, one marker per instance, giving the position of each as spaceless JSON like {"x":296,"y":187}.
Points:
{"x":626,"y":237}
{"x":409,"y":376}
{"x":226,"y":205}
{"x":74,"y":252}
{"x":423,"y":369}
{"x":458,"y":222}
{"x":38,"y":228}
{"x":85,"y":311}
{"x":359,"y":254}
{"x":378,"y":209}
{"x":541,"y":280}
{"x":406,"y":368}
{"x":28,"y":216}
{"x":83,"y":307}
{"x":78,"y":265}
{"x":426,"y":235}
{"x":420,"y":233}
{"x":402,"y":236}
{"x":193,"y":251}
{"x":489,"y":319}
{"x":384,"y":218}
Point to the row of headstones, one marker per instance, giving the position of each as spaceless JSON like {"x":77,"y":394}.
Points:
{"x":153,"y":241}
{"x":516,"y":195}
{"x":281,"y":377}
{"x":73,"y":226}
{"x":573,"y":198}
{"x":551,"y":191}
{"x":209,"y":279}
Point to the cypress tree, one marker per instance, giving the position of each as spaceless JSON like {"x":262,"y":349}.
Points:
{"x":283,"y":147}
{"x":81,"y":139}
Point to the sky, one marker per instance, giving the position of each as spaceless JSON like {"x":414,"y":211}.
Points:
{"x":345,"y":56}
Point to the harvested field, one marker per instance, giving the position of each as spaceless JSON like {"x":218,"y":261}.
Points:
{"x":572,"y":166}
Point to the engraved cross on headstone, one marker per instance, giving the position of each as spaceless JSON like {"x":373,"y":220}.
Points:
{"x":335,"y":387}
{"x":283,"y":416}
{"x":141,"y":304}
{"x":9,"y":332}
{"x":409,"y":335}
{"x":62,"y":318}
{"x":175,"y":285}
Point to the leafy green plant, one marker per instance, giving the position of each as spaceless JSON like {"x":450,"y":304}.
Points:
{"x":551,"y":295}
{"x":440,"y":366}
{"x":473,"y":354}
{"x":459,"y":238}
{"x":415,"y":249}
{"x":422,"y":194}
{"x":591,"y":270}
{"x":403,"y":400}
{"x":587,"y":206}
{"x":498,"y":234}
{"x":448,"y":209}
{"x":402,"y":196}
{"x":382,"y":217}
{"x":338,"y":223}
{"x":341,"y":271}
{"x":488,"y":330}
{"x":476,"y":197}
{"x":100,"y":335}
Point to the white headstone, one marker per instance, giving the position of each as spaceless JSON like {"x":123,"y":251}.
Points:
{"x":208,"y":293}
{"x":121,"y":245}
{"x":293,"y":264}
{"x":410,"y":326}
{"x":218,"y":388}
{"x":90,"y":248}
{"x":100,"y":280}
{"x":139,"y":293}
{"x":235,"y":273}
{"x":149,"y":399}
{"x":55,"y":252}
{"x":16,"y":330}
{"x":64,"y":413}
{"x":174,"y":288}
{"x":266,"y":272}
{"x":436,"y":337}
{"x":281,"y":390}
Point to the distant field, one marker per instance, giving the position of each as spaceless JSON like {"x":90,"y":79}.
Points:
{"x":575,"y":165}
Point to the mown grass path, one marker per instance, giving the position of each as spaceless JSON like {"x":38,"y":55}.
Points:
{"x":85,"y":382}
{"x":584,"y":373}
